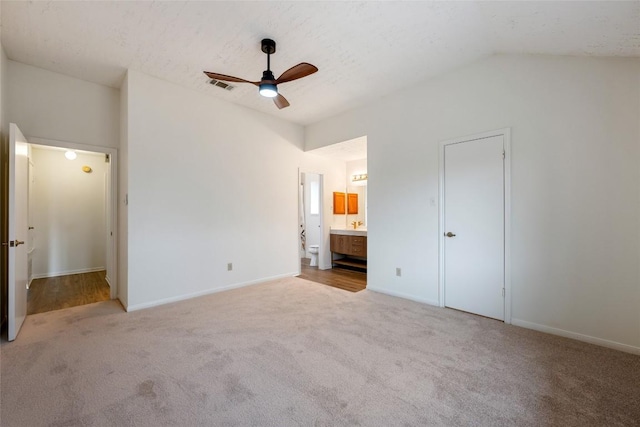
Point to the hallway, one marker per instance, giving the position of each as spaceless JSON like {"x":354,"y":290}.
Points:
{"x":55,"y":293}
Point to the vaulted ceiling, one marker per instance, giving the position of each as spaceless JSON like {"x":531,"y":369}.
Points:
{"x":364,"y":50}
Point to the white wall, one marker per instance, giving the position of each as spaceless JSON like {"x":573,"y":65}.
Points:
{"x":209,"y":183}
{"x":575,"y":185}
{"x":357,"y":167}
{"x":50,"y":105}
{"x":68,"y":213}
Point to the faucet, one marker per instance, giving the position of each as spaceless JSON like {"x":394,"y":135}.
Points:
{"x":356,"y":224}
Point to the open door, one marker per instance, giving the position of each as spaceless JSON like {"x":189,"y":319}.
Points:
{"x":18,"y":229}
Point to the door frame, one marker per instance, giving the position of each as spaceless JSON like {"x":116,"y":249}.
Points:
{"x":17,"y":270}
{"x":324,"y":242}
{"x":113,"y":202}
{"x":506,"y":134}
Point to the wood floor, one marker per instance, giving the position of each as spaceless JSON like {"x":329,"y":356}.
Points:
{"x":55,"y":293}
{"x":352,"y":281}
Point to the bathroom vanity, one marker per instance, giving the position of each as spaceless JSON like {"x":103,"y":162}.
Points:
{"x":349,"y":248}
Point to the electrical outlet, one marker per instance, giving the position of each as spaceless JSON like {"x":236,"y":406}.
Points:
{"x":398,"y":271}
{"x":230,"y":266}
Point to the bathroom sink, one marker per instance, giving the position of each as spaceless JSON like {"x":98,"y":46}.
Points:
{"x":362,"y":231}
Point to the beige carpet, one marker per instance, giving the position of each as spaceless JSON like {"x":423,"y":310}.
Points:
{"x":296,"y":353}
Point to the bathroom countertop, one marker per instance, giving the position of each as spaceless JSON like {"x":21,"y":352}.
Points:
{"x":349,"y":231}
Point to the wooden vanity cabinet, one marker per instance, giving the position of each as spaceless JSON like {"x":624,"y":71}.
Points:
{"x":354,"y":246}
{"x":338,"y":243}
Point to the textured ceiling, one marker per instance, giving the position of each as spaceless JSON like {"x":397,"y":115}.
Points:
{"x":364,"y":50}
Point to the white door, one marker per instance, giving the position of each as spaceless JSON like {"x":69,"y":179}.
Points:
{"x":474,"y":218}
{"x":18,"y":229}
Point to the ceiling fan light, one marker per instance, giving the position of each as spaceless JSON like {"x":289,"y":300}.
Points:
{"x":268,"y":90}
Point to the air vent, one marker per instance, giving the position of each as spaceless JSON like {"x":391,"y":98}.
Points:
{"x":222,"y":85}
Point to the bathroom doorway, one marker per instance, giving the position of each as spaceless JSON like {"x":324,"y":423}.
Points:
{"x":345,"y":173}
{"x":310,"y":219}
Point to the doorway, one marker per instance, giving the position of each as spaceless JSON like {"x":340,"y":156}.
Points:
{"x":72,"y":224}
{"x":310,"y":218}
{"x":344,"y":178}
{"x":474,"y":224}
{"x":68,"y":228}
{"x":15,"y":203}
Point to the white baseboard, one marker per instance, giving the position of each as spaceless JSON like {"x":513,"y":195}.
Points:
{"x":405,"y":296}
{"x":106,"y":277}
{"x":66,"y":273}
{"x":164,"y":301}
{"x":576,"y":336}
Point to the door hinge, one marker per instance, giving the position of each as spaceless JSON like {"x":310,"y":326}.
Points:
{"x":503,"y":154}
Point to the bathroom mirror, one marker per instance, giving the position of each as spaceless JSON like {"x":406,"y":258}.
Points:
{"x":357,"y":205}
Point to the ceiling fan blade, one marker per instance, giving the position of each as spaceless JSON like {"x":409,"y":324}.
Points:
{"x":297,"y":72}
{"x":226,"y":78}
{"x":281,"y":102}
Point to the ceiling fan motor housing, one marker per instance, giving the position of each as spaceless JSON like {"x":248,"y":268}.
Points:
{"x":268,"y":46}
{"x":267,"y":75}
{"x":267,"y":85}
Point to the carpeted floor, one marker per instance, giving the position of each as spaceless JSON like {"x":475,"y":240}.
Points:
{"x":292,"y":353}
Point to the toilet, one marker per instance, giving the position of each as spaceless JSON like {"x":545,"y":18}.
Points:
{"x":313,"y":250}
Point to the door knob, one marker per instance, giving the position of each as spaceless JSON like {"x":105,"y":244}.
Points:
{"x":450,"y":234}
{"x":17,"y":243}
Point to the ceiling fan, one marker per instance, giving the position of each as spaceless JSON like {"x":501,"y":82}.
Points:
{"x":268,"y":86}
